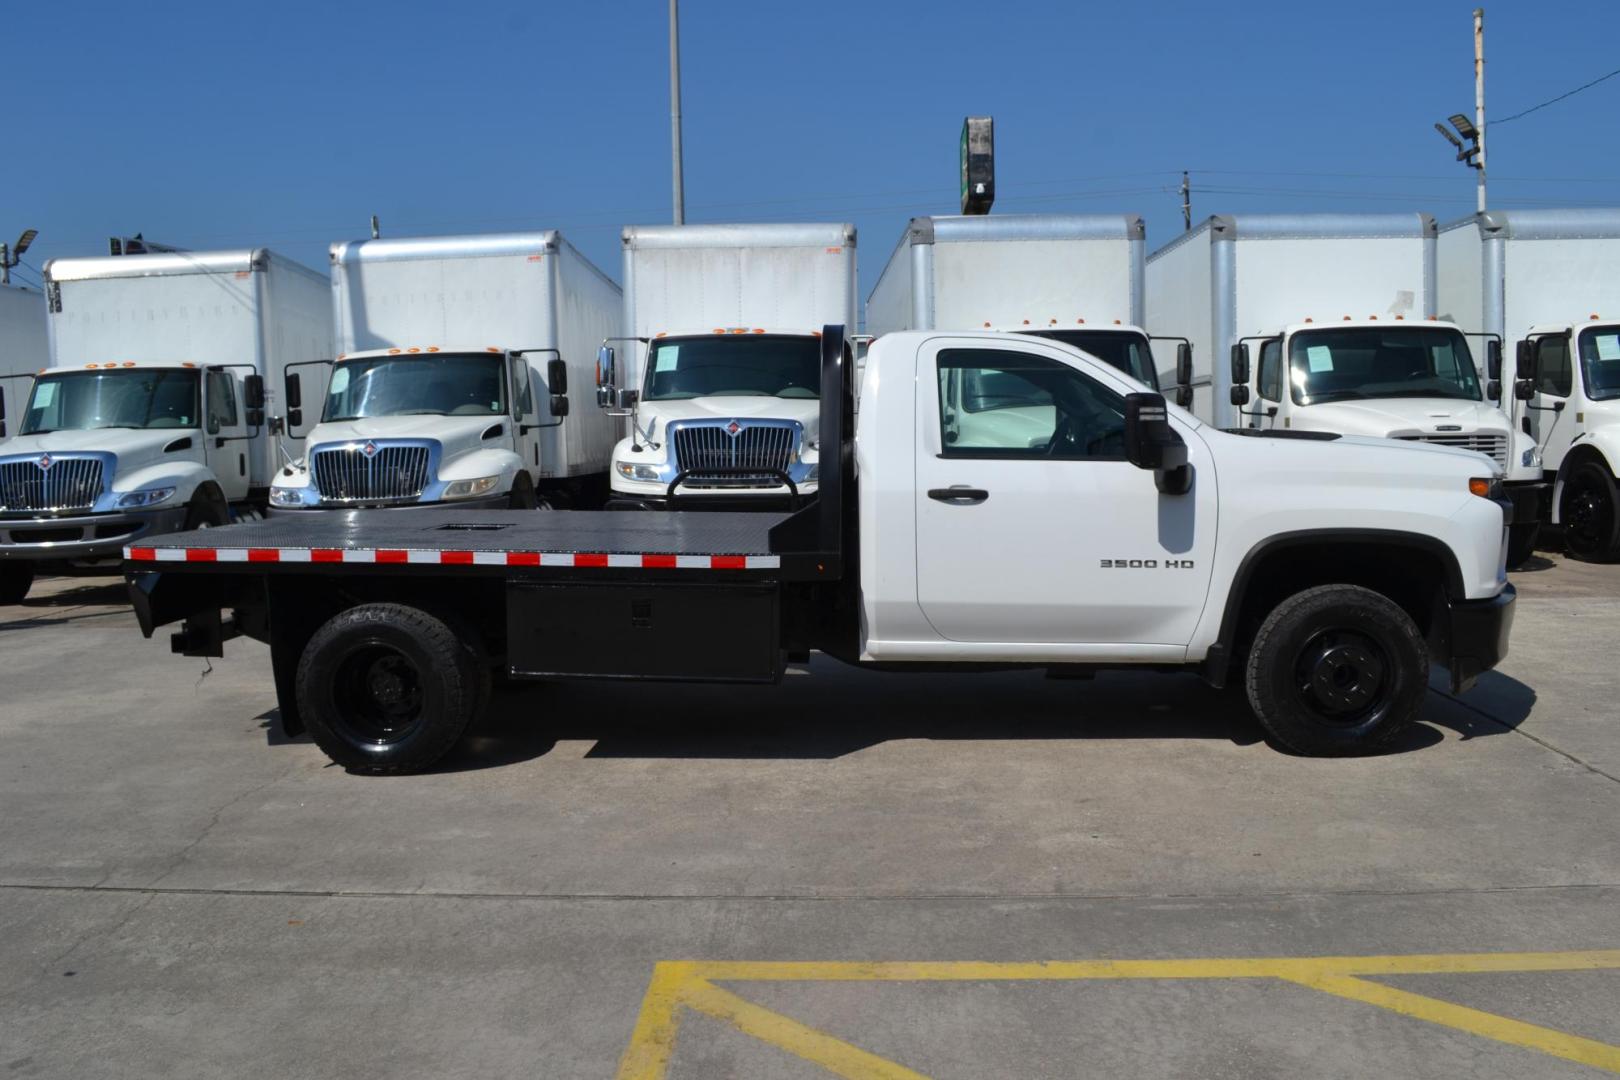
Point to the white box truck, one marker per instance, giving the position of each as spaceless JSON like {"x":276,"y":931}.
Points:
{"x":152,"y":417}
{"x":720,"y":378}
{"x":455,"y":354}
{"x":1548,"y":281}
{"x":1075,"y":278}
{"x":23,"y":348}
{"x":1328,"y":323}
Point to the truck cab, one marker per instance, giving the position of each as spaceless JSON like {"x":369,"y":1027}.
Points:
{"x":105,"y":454}
{"x":1571,"y":377}
{"x":1397,"y":379}
{"x":423,"y":425}
{"x":728,"y":417}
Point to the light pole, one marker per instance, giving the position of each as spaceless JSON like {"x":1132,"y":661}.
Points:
{"x":1473,"y":154}
{"x":675,"y":108}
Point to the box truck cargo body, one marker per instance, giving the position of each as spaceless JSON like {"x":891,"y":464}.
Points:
{"x":720,"y":375}
{"x":157,"y":412}
{"x":1077,"y":278}
{"x":23,"y":349}
{"x":1327,"y":323}
{"x":455,"y":356}
{"x":1548,"y":281}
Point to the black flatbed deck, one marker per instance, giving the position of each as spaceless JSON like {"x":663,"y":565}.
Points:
{"x":491,"y":540}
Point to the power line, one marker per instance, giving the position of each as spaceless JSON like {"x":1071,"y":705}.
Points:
{"x":1560,"y":97}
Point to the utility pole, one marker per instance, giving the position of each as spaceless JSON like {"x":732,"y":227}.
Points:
{"x":675,"y":108}
{"x":1186,"y":203}
{"x":1479,"y":96}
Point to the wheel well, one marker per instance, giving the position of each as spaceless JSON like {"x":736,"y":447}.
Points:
{"x":1579,"y":455}
{"x":1414,"y":572}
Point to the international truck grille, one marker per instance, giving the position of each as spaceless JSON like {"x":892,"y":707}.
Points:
{"x":728,"y":454}
{"x":1492,"y":446}
{"x":387,"y":473}
{"x":63,"y":483}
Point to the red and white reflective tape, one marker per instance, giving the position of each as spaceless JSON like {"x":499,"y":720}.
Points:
{"x":405,"y":556}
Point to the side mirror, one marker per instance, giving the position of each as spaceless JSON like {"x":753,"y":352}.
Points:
{"x":559,"y":405}
{"x":253,"y":392}
{"x":213,"y":425}
{"x":606,"y":362}
{"x":1493,"y":360}
{"x":626,"y":399}
{"x":1493,"y":390}
{"x":1240,"y":395}
{"x":1524,"y":389}
{"x":1184,"y":372}
{"x":1184,"y":396}
{"x":1524,"y":360}
{"x":1151,"y":443}
{"x":557,"y":376}
{"x":1240,"y":364}
{"x":295,"y":418}
{"x":295,"y":393}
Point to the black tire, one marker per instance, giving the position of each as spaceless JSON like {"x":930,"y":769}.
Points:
{"x":204,"y":512}
{"x":385,"y":688}
{"x":1522,"y":537}
{"x":522,"y":496}
{"x":1588,"y":512}
{"x":1337,"y":670}
{"x":16,"y":579}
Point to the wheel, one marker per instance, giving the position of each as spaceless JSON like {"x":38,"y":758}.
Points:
{"x":522,"y":496}
{"x":1522,"y":543}
{"x":205,"y":513}
{"x":15,"y":581}
{"x":1587,"y":511}
{"x":385,"y":688}
{"x":1337,"y":670}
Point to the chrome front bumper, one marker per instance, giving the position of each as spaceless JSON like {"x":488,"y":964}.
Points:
{"x":83,"y":536}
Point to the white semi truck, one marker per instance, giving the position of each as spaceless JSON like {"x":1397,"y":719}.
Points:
{"x":1075,"y":278}
{"x":154,"y":414}
{"x":959,"y":528}
{"x":1548,"y":281}
{"x":455,"y":354}
{"x":1328,"y":322}
{"x":719,"y":376}
{"x":24,"y":348}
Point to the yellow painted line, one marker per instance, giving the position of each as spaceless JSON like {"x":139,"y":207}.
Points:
{"x":690,"y":984}
{"x":834,"y":1055}
{"x":1502,"y":1029}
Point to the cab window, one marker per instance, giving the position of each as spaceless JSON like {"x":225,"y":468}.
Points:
{"x":1553,"y":374}
{"x":221,"y":401}
{"x":999,"y":404}
{"x":1271,"y":371}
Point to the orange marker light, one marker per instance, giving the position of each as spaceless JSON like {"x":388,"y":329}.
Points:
{"x":432,"y":348}
{"x":413,"y":350}
{"x":491,"y":348}
{"x":393,"y":352}
{"x":1309,"y":319}
{"x":1026,"y":322}
{"x":757,"y":330}
{"x":1480,"y":487}
{"x":1372,"y":318}
{"x":1080,"y":322}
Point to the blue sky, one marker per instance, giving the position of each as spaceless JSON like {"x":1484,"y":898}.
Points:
{"x":225,"y":124}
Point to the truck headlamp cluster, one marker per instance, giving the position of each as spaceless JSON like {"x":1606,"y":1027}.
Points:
{"x":471,"y":489}
{"x":631,"y":471}
{"x":286,"y":496}
{"x":137,"y":500}
{"x":1531,"y":458}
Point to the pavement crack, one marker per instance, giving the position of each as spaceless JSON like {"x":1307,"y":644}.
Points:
{"x":180,"y":857}
{"x":1538,"y":740}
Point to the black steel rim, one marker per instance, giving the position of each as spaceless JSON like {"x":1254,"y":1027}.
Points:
{"x":377,"y":695}
{"x":1344,"y":677}
{"x":1587,"y":513}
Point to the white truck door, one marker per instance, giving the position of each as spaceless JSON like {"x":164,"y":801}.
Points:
{"x":226,"y":432}
{"x":1552,"y":413}
{"x":525,"y":438}
{"x":1031,"y":525}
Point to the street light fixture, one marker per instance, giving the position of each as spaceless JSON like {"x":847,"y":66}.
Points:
{"x":11,"y":254}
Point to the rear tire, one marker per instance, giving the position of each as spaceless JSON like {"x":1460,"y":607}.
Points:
{"x":1522,"y":543}
{"x":15,"y":581}
{"x":1587,"y":511}
{"x":1337,"y":670}
{"x":385,"y":688}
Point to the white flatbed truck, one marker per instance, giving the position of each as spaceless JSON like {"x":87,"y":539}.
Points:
{"x":960,"y":525}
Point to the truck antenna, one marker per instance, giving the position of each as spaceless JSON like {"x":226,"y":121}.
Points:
{"x":376,"y":229}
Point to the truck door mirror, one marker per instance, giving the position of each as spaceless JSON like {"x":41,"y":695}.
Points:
{"x":1524,"y":389}
{"x":1493,"y":390}
{"x":559,"y":405}
{"x":1524,"y":361}
{"x":1184,"y":396}
{"x":295,"y":394}
{"x":557,"y":376}
{"x":1493,"y":360}
{"x":1240,"y":363}
{"x":1152,"y":443}
{"x":253,"y":399}
{"x":1240,"y":395}
{"x":1184,"y":372}
{"x":295,"y":418}
{"x":626,"y":399}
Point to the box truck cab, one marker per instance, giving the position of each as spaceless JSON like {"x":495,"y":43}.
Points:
{"x":451,"y":383}
{"x":721,"y":381}
{"x":1074,"y":278}
{"x":153,"y":415}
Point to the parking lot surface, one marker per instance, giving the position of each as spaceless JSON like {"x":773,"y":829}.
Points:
{"x":851,"y":874}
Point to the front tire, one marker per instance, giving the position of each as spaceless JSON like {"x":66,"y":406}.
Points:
{"x":385,"y":688}
{"x":1337,"y":670}
{"x":15,"y":581}
{"x":522,"y":496}
{"x":1522,"y":543}
{"x":1587,"y":511}
{"x":206,"y":513}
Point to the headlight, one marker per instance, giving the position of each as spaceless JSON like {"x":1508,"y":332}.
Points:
{"x":150,"y":497}
{"x":469,"y":489}
{"x":631,"y":471}
{"x":286,"y":497}
{"x":1531,"y":458}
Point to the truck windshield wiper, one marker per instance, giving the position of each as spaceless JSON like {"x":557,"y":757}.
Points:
{"x":1336,"y":395}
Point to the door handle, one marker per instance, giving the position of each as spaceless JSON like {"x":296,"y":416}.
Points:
{"x":959,"y":495}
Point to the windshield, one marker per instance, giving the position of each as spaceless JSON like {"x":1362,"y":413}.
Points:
{"x":1375,"y":362}
{"x":734,"y":366}
{"x":125,"y":398}
{"x":444,"y":384}
{"x":1126,"y":351}
{"x":1600,"y":362}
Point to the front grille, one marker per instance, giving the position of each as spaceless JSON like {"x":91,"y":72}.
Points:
{"x":349,"y":474}
{"x":768,"y":447}
{"x":69,"y":484}
{"x":1493,"y":446}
